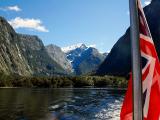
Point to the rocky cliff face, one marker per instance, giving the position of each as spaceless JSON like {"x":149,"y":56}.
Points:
{"x":12,"y":60}
{"x":37,"y":57}
{"x":60,"y":57}
{"x":24,"y":55}
{"x":88,"y":61}
{"x":118,"y":62}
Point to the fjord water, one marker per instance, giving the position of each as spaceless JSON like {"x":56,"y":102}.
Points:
{"x":60,"y":104}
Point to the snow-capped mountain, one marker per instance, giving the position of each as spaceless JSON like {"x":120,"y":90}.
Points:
{"x":75,"y":51}
{"x":84,"y":59}
{"x":73,"y":47}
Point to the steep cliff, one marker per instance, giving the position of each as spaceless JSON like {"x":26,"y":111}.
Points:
{"x":118,"y":62}
{"x":12,"y":60}
{"x":24,"y":55}
{"x":37,"y":57}
{"x":60,"y":57}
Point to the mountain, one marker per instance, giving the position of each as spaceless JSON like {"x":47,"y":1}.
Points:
{"x":118,"y":62}
{"x":12,"y":60}
{"x":83,"y":59}
{"x":74,"y":51}
{"x":73,"y":47}
{"x":37,"y":56}
{"x":59,"y":56}
{"x":24,"y":55}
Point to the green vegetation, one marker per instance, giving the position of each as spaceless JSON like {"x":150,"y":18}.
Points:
{"x":62,"y":81}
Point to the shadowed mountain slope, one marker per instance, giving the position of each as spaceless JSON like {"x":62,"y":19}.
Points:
{"x":118,"y":62}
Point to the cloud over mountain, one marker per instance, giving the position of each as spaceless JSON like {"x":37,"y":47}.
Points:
{"x":147,"y":2}
{"x":33,"y":24}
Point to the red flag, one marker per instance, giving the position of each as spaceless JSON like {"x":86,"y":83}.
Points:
{"x":150,"y":76}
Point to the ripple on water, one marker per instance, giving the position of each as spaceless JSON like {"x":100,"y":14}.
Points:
{"x":95,"y":106}
{"x":60,"y":104}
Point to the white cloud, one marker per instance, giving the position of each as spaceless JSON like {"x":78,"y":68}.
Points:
{"x":147,"y":2}
{"x":15,"y":8}
{"x":94,"y":45}
{"x":34,"y":24}
{"x":108,"y":51}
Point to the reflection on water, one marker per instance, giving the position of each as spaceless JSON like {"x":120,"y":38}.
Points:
{"x":60,"y":104}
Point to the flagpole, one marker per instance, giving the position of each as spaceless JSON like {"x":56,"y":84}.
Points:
{"x":136,"y":63}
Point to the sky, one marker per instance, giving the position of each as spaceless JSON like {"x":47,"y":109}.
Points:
{"x":98,"y":23}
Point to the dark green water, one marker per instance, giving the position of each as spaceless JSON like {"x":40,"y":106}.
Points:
{"x":60,"y":104}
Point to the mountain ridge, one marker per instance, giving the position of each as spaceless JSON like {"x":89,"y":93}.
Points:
{"x":37,"y":56}
{"x":24,"y":55}
{"x":59,"y":56}
{"x":27,"y":55}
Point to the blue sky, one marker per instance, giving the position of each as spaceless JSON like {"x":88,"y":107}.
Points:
{"x":66,"y":22}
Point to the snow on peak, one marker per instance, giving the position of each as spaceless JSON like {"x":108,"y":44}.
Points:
{"x":73,"y":47}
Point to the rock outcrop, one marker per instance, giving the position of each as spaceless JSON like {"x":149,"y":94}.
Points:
{"x":60,"y":57}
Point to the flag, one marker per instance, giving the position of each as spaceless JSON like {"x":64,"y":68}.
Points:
{"x":150,"y":76}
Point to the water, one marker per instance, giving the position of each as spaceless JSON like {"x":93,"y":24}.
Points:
{"x":60,"y":104}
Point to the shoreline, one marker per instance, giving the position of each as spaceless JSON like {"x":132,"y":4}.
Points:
{"x":10,"y":87}
{"x":83,"y":88}
{"x":64,"y":82}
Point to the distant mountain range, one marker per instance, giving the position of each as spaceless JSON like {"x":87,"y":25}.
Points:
{"x":118,"y":62}
{"x":26,"y":55}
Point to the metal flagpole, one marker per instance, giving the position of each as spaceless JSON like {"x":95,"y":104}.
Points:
{"x":136,"y":61}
